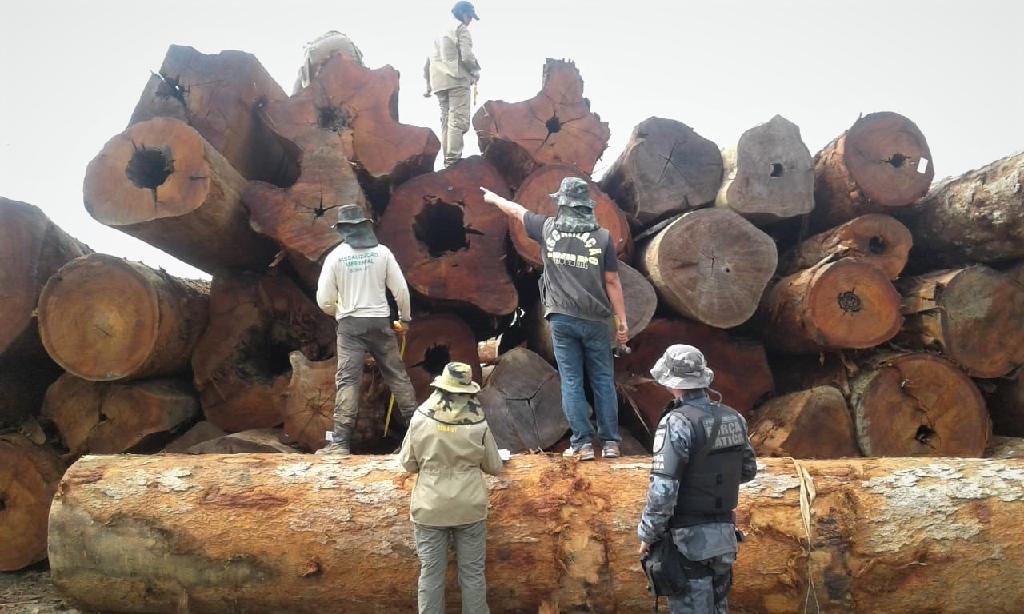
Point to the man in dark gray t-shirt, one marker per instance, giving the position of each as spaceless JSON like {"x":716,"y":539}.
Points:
{"x":580,"y":289}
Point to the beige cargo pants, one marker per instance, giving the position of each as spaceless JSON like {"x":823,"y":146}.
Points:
{"x":454,"y":121}
{"x":470,"y":550}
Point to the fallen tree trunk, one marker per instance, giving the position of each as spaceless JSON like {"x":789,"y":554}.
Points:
{"x":1006,"y":405}
{"x":917,"y":404}
{"x":847,"y":303}
{"x":812,"y":423}
{"x":449,"y":242}
{"x":882,"y":162}
{"x":877,"y":239}
{"x":103,"y":418}
{"x":710,"y":265}
{"x":104,"y":318}
{"x":207,"y":534}
{"x":535,"y":195}
{"x":161,"y":182}
{"x":554,"y":127}
{"x":28,"y":478}
{"x":666,"y":169}
{"x":974,"y":316}
{"x":769,"y":174}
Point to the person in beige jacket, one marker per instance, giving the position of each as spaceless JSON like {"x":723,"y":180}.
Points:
{"x":450,"y":71}
{"x":448,"y":444}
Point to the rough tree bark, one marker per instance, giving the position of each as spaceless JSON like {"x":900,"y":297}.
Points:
{"x":252,"y":533}
{"x":161,"y":182}
{"x":710,"y":265}
{"x":535,"y":195}
{"x":554,"y":127}
{"x":917,"y":404}
{"x":882,"y":162}
{"x":449,"y":242}
{"x":28,"y":478}
{"x":666,"y":169}
{"x":812,"y":423}
{"x":874,"y":238}
{"x":847,"y":303}
{"x":768,"y":174}
{"x":974,"y":316}
{"x":104,"y":318}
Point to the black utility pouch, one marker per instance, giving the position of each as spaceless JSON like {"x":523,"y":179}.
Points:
{"x":664,"y":569}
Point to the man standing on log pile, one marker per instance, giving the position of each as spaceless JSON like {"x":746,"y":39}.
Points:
{"x":581,"y":290}
{"x":448,"y":444}
{"x":701,"y":455}
{"x":450,"y":71}
{"x":352,"y":288}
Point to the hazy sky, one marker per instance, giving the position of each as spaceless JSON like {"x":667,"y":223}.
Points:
{"x":71,"y":72}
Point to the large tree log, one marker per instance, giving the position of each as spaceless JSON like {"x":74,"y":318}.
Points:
{"x":28,"y":479}
{"x":741,"y":368}
{"x":554,"y":127}
{"x":666,"y":169}
{"x":768,"y":174}
{"x":103,"y":318}
{"x":882,"y":162}
{"x":847,"y":303}
{"x":246,"y":533}
{"x":161,"y":182}
{"x":812,"y":423}
{"x":535,"y":195}
{"x":219,"y":95}
{"x":874,"y":238}
{"x":975,"y":316}
{"x":978,"y":216}
{"x":523,"y":402}
{"x":1006,"y":405}
{"x":104,"y":418}
{"x":710,"y":265}
{"x":449,"y":242}
{"x":241,"y":363}
{"x":917,"y":404}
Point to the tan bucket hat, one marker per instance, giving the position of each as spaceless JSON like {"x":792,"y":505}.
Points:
{"x":456,"y":377}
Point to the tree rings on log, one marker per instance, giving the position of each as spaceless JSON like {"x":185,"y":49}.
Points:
{"x":812,"y":423}
{"x":28,"y":478}
{"x":769,"y":174}
{"x":103,"y":318}
{"x":874,"y":238}
{"x":666,"y":169}
{"x":523,"y":402}
{"x":710,"y":265}
{"x":161,"y":182}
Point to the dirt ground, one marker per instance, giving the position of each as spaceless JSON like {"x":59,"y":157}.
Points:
{"x":30,"y":592}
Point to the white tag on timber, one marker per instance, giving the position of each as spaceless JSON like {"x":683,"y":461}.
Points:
{"x":329,"y":436}
{"x":504,"y":454}
{"x":922,"y":166}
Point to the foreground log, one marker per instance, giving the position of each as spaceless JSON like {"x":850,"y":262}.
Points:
{"x":978,"y":216}
{"x":741,"y":368}
{"x":240,"y":365}
{"x":103,"y":418}
{"x":450,"y":243}
{"x":974,"y":316}
{"x":812,"y":423}
{"x":874,"y":238}
{"x":1006,"y":405}
{"x":28,"y":479}
{"x":710,"y":265}
{"x":103,"y":318}
{"x":161,"y":182}
{"x":769,"y":174}
{"x":917,"y":404}
{"x":554,"y":127}
{"x":882,"y":162}
{"x":535,"y":195}
{"x":208,"y":534}
{"x":666,"y":169}
{"x":847,"y":303}
{"x":219,"y":95}
{"x":523,"y":402}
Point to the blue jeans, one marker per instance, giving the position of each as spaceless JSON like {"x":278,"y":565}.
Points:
{"x":578,"y":342}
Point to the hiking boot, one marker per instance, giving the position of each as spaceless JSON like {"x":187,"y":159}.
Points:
{"x":610,"y":450}
{"x":334,"y":449}
{"x":584,"y":453}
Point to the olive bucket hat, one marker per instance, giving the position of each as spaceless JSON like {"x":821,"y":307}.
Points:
{"x":682,"y":367}
{"x":351,"y":214}
{"x":573,"y":192}
{"x":456,"y":377}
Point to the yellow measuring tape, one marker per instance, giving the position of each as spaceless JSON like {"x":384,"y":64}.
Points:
{"x":391,"y":401}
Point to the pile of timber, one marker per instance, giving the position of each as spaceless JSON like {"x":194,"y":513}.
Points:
{"x":845,"y":309}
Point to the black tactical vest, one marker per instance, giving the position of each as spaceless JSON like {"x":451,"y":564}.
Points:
{"x":710,"y":480}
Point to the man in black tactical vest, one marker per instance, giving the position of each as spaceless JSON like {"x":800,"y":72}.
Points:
{"x":701,"y":455}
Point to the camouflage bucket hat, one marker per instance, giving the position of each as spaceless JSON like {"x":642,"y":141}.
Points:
{"x":351,"y":214}
{"x":682,"y":367}
{"x":574,"y":192}
{"x":456,"y":377}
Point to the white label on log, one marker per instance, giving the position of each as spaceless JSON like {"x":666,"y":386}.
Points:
{"x":504,"y":454}
{"x":329,"y":436}
{"x":922,"y":165}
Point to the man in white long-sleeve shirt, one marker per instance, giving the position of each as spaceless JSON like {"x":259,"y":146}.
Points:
{"x":352,"y":288}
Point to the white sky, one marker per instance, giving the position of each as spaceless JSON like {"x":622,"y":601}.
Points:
{"x":71,"y":72}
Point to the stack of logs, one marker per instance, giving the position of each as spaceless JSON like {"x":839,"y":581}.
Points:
{"x":845,"y":309}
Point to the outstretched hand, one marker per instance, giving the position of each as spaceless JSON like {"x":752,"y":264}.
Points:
{"x":490,"y":197}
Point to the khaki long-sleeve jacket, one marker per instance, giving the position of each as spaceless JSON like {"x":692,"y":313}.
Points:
{"x":452,"y":63}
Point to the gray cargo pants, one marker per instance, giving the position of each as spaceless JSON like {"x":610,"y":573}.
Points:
{"x":470,"y":550}
{"x":710,"y":594}
{"x":356,"y":336}
{"x":454,"y":121}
